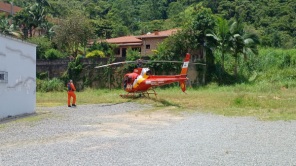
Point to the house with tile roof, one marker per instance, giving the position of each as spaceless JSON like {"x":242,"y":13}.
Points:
{"x":9,"y":8}
{"x":150,"y":41}
{"x":145,"y":44}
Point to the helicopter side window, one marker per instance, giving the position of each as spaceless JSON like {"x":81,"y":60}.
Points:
{"x":127,"y":80}
{"x":148,"y":73}
{"x":124,"y":82}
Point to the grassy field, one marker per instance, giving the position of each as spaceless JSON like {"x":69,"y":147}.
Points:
{"x":261,"y":101}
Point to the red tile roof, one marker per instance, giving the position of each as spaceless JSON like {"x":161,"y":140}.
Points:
{"x":156,"y":34}
{"x":6,"y":7}
{"x":136,"y":40}
{"x":124,"y":39}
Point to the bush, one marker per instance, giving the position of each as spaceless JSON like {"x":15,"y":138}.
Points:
{"x":42,"y":75}
{"x":95,"y":53}
{"x":43,"y":44}
{"x":54,"y":84}
{"x":52,"y":54}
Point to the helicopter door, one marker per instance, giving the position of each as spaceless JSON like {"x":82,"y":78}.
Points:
{"x":128,"y":82}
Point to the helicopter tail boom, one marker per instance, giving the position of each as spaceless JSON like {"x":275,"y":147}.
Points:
{"x":183,"y":85}
{"x":185,"y":64}
{"x":184,"y":72}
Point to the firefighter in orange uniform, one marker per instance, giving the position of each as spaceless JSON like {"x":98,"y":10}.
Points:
{"x":71,"y":89}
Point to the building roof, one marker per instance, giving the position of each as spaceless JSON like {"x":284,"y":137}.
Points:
{"x":121,"y":41}
{"x":124,"y":39}
{"x":159,"y":34}
{"x":6,"y":7}
{"x":136,"y":40}
{"x":16,"y":39}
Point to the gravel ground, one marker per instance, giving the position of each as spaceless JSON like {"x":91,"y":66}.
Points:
{"x":128,"y":134}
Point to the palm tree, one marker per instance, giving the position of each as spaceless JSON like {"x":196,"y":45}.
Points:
{"x":221,"y":36}
{"x":242,"y":43}
{"x":43,"y":2}
{"x":37,"y":13}
{"x":32,"y":16}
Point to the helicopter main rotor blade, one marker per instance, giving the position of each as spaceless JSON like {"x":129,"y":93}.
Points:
{"x":163,"y":62}
{"x":112,"y":64}
{"x":173,"y":62}
{"x":197,"y":63}
{"x":145,"y":61}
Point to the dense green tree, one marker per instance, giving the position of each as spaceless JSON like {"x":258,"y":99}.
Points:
{"x":102,"y":28}
{"x":203,"y":21}
{"x":192,"y":38}
{"x":72,"y":33}
{"x":123,"y":17}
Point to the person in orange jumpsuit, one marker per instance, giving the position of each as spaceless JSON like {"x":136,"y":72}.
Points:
{"x":71,"y":89}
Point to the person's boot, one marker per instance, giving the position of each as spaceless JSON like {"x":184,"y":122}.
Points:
{"x":73,"y":105}
{"x":69,"y":105}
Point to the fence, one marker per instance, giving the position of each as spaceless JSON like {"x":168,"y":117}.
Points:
{"x":95,"y":77}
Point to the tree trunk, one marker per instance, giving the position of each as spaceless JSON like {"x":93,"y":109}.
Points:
{"x":236,"y":65}
{"x":205,"y":67}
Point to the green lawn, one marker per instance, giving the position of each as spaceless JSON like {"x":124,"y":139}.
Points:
{"x":265,"y":103}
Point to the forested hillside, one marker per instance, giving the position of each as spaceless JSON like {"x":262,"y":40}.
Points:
{"x":273,"y":20}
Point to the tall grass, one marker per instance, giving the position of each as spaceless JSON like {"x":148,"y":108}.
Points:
{"x":54,"y":84}
{"x":277,"y":66}
{"x":271,"y":65}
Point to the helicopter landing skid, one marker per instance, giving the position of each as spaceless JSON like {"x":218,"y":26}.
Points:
{"x":131,"y":95}
{"x":139,"y":94}
{"x":148,"y":92}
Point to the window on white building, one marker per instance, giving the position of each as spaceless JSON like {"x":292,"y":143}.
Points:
{"x":3,"y":77}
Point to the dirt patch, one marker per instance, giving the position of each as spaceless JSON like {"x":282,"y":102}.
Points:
{"x":127,"y":124}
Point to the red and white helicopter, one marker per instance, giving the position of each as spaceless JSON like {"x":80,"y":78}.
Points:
{"x":142,"y":82}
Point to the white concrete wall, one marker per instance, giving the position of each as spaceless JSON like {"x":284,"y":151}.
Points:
{"x":18,"y":58}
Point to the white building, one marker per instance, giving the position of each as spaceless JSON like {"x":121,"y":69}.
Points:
{"x":17,"y":77}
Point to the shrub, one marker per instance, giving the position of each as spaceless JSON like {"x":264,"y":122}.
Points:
{"x":43,"y":44}
{"x":103,"y":46}
{"x":52,"y":54}
{"x":95,"y":53}
{"x":42,"y":75}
